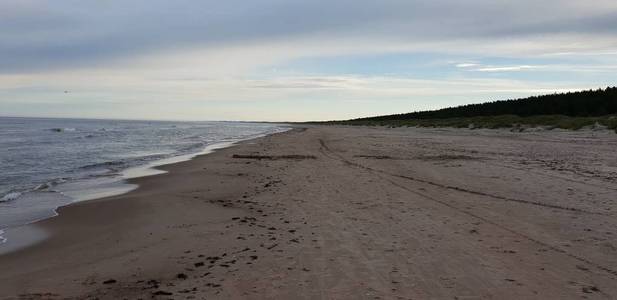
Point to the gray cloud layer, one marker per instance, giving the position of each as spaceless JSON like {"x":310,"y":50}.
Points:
{"x":39,"y":35}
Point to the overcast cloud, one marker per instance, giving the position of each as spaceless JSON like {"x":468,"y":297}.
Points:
{"x":107,"y":49}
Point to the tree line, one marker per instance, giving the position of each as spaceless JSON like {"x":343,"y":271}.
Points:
{"x":589,"y":103}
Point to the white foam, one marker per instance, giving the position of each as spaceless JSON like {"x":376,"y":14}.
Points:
{"x":151,"y":168}
{"x":60,"y":129}
{"x":10,"y":197}
{"x":49,"y":184}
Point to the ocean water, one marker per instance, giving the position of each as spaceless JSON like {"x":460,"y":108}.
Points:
{"x":47,"y":163}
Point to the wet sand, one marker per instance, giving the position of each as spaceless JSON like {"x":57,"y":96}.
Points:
{"x":347,"y":213}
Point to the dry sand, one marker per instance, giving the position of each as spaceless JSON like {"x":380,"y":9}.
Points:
{"x":347,"y":213}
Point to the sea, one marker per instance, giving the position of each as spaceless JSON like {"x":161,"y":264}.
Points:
{"x":46,"y":163}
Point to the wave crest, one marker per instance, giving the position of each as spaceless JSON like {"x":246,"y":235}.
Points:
{"x":61,"y":129}
{"x":10,"y":196}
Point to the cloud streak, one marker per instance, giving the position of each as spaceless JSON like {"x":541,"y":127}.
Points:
{"x":508,"y":68}
{"x":61,"y":34}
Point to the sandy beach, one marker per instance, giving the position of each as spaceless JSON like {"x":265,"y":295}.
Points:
{"x":346,"y":213}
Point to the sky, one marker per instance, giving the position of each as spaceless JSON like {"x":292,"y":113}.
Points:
{"x":290,"y":60}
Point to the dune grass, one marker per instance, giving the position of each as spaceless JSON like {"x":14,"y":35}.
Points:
{"x":495,"y":122}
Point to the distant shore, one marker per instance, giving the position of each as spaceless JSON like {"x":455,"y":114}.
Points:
{"x":346,"y":213}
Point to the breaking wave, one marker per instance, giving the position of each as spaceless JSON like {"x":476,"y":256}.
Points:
{"x":10,"y":196}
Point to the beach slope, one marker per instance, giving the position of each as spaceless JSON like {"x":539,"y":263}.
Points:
{"x":346,"y":213}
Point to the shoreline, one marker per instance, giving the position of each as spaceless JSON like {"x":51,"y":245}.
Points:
{"x":49,"y":230}
{"x":353,"y":213}
{"x":102,"y":188}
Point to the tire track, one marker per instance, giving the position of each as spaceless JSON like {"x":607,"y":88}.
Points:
{"x":325,"y":150}
{"x":522,"y":235}
{"x":459,"y":189}
{"x":557,"y":177}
